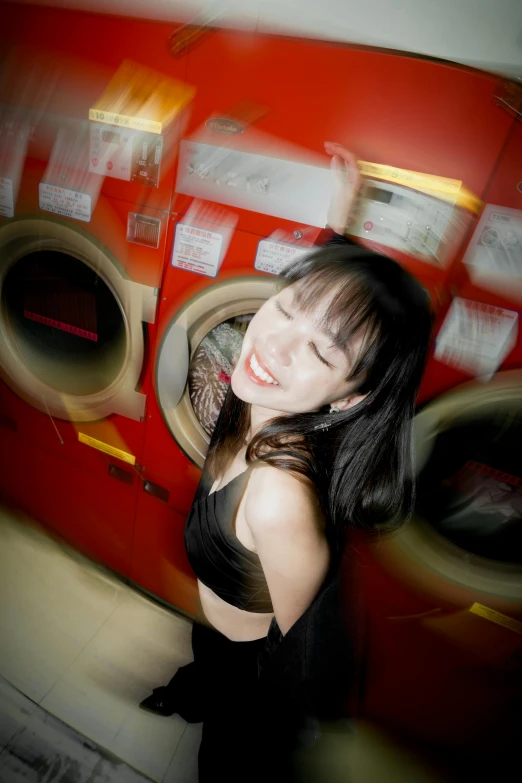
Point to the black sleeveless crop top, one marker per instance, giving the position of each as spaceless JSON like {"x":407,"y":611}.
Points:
{"x":218,"y":558}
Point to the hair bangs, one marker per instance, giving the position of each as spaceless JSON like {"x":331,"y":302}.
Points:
{"x":348,"y":311}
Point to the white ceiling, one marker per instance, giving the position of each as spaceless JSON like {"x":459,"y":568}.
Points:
{"x":482,"y":33}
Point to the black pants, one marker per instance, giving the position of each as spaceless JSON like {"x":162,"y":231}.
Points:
{"x":243,"y":740}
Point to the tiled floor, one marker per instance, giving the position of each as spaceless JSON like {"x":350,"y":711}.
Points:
{"x":87,"y":648}
{"x":78,"y":644}
{"x":38,"y":747}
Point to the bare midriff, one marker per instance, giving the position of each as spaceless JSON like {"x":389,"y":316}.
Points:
{"x":236,"y":624}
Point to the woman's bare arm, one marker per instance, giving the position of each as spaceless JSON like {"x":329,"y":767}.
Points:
{"x":287,"y":526}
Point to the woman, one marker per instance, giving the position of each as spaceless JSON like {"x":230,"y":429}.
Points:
{"x":314,"y":438}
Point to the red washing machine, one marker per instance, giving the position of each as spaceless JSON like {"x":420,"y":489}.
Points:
{"x":283,"y":128}
{"x":82,"y":263}
{"x":444,"y":598}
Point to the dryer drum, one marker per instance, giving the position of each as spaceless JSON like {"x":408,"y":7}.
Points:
{"x":72,"y":335}
{"x":65,"y":323}
{"x":470,"y":490}
{"x":211,"y":367}
{"x":198,"y":351}
{"x":464,"y":541}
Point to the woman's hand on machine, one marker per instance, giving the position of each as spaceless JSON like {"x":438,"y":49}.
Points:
{"x":347,"y":182}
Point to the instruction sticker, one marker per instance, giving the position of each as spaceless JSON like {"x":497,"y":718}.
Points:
{"x":476,"y":337}
{"x":62,"y":201}
{"x":6,"y":197}
{"x":494,"y":254}
{"x":112,"y":451}
{"x":197,"y":250}
{"x":273,"y":257}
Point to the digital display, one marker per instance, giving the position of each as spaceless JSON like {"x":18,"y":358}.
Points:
{"x":377,"y":194}
{"x":110,"y":137}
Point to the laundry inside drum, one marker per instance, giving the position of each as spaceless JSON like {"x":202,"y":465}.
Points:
{"x":64,"y":322}
{"x":470,"y":491}
{"x":212,"y":365}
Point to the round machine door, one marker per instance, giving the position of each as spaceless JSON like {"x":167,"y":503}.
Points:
{"x":196,"y":357}
{"x":71,"y":336}
{"x":465,"y":541}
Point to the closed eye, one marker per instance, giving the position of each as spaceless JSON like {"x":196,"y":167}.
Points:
{"x":312,"y":345}
{"x":281,"y":310}
{"x":321,"y":358}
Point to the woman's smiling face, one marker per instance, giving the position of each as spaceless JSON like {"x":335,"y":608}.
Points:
{"x":289,"y":363}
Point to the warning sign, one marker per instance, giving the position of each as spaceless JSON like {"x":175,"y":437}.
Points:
{"x":197,"y":250}
{"x":273,"y":257}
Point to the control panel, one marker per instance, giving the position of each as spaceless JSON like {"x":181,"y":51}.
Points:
{"x":402,"y":218}
{"x":125,"y":153}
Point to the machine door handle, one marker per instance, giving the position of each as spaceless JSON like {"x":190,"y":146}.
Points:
{"x":120,"y":474}
{"x":156,"y":491}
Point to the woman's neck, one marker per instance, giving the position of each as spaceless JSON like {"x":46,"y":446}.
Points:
{"x":259,"y":417}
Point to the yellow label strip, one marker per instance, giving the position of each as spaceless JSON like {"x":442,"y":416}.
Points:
{"x":496,"y":617}
{"x":444,"y":188}
{"x":141,"y":99}
{"x":469,"y":200}
{"x":125,"y":121}
{"x":412,"y":179}
{"x":112,"y":451}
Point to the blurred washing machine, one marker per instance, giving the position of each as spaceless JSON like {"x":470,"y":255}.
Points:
{"x":73,"y":357}
{"x":82,"y":243}
{"x":444,"y":597}
{"x":390,"y":109}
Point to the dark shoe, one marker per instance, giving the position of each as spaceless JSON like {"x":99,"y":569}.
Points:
{"x":158,"y":703}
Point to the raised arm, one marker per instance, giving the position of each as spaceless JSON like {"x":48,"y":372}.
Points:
{"x":346,"y":186}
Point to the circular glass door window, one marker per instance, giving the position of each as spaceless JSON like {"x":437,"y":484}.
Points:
{"x":211,"y":367}
{"x":470,"y":490}
{"x":64,"y":322}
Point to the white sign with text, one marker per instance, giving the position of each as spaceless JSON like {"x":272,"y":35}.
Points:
{"x":6,"y":197}
{"x":273,"y":257}
{"x":197,"y":250}
{"x":476,"y":337}
{"x":62,"y":201}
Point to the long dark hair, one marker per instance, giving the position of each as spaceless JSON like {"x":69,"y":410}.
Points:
{"x":359,"y":460}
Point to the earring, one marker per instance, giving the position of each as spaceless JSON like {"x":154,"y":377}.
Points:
{"x":334,"y":409}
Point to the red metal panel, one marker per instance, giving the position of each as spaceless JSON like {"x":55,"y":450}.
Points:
{"x":86,"y":507}
{"x":159,"y":562}
{"x":415,"y":114}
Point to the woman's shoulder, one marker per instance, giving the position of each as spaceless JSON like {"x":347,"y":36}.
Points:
{"x":281,"y":499}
